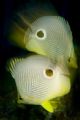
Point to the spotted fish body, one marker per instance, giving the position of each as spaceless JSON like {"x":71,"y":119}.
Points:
{"x":38,"y":79}
{"x":51,"y":36}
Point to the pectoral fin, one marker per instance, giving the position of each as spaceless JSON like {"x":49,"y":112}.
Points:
{"x":73,"y":63}
{"x":73,"y":59}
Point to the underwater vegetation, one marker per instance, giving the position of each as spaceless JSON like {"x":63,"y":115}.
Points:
{"x":40,"y":72}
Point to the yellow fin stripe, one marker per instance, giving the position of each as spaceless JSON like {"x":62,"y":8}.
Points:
{"x":47,"y":105}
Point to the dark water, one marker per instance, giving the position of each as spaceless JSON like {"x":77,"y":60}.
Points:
{"x":9,"y":109}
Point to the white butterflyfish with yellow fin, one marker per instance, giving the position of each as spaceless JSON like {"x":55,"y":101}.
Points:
{"x":51,"y":36}
{"x":39,"y":79}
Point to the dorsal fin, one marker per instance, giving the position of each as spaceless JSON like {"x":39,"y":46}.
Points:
{"x":12,"y":63}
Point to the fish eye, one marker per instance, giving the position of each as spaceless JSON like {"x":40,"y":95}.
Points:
{"x":49,"y":72}
{"x":41,"y":34}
